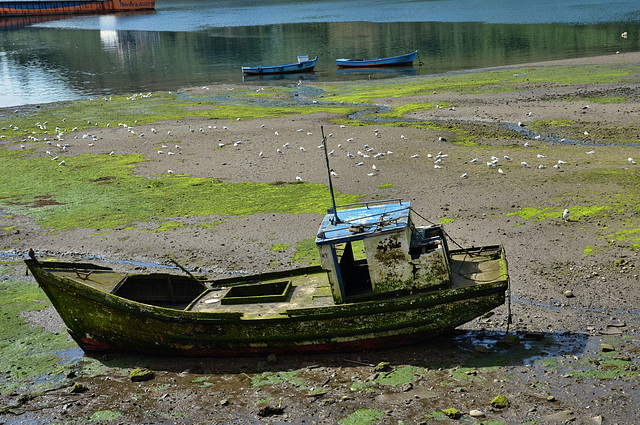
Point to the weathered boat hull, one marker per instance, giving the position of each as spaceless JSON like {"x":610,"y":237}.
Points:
{"x":291,"y":68}
{"x":63,"y":7}
{"x":102,"y":322}
{"x":402,"y":60}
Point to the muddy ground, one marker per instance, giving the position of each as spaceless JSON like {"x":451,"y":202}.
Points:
{"x":550,"y":362}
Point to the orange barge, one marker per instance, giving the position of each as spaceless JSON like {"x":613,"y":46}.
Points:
{"x":64,"y":7}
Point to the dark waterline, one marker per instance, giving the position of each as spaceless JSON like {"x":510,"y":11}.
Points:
{"x":194,"y":42}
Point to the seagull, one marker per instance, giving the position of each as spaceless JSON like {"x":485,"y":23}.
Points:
{"x":169,"y":171}
{"x":561,"y":161}
{"x":261,"y":154}
{"x":557,"y":167}
{"x":332,"y":152}
{"x":334,"y":174}
{"x":220,"y":145}
{"x":360,"y":163}
{"x":490,"y":164}
{"x":112,"y":153}
{"x":415,"y":156}
{"x":302,"y":149}
{"x":565,"y":215}
{"x":525,"y":164}
{"x":527,"y":144}
{"x":508,"y":158}
{"x":374,"y":167}
{"x":279,"y":150}
{"x":437,"y":166}
{"x":402,"y":137}
{"x":371,"y":174}
{"x":350,"y":139}
{"x":298,"y":178}
{"x":541,"y":167}
{"x":286,"y":145}
{"x":350,"y":155}
{"x":500,"y":171}
{"x":276,"y":133}
{"x":631,"y":161}
{"x":442,"y":139}
{"x":62,"y":162}
{"x":474,"y":160}
{"x":160,"y":152}
{"x":465,"y":175}
{"x":540,"y":156}
{"x":591,"y":152}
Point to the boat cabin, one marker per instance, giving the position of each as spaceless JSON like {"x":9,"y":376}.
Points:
{"x":398,"y":257}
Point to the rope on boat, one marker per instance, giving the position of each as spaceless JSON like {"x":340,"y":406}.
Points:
{"x":420,"y":63}
{"x":445,"y":232}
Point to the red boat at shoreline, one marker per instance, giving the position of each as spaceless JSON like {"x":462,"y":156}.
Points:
{"x":11,"y":8}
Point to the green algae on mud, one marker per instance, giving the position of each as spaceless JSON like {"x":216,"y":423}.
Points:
{"x":623,"y":203}
{"x":363,"y":417}
{"x":510,"y":79}
{"x":133,"y":110}
{"x":101,"y":192}
{"x":276,"y":378}
{"x":30,"y":360}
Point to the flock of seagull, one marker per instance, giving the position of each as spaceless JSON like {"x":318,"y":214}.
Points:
{"x":349,"y":148}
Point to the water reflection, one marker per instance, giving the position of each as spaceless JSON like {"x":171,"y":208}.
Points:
{"x":41,"y":64}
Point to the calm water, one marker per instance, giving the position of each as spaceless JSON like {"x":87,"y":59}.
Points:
{"x":197,"y":42}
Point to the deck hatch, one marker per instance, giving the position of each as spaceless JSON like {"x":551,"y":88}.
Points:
{"x":257,"y":293}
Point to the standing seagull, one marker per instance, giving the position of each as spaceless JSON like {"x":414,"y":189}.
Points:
{"x":565,"y":215}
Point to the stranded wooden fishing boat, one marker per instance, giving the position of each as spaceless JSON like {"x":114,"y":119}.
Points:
{"x":402,"y":60}
{"x":304,"y":65}
{"x":405,"y":287}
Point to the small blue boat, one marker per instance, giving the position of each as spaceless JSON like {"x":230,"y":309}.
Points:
{"x":402,"y":60}
{"x":304,"y":64}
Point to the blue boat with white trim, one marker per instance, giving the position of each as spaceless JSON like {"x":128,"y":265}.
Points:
{"x":304,"y":64}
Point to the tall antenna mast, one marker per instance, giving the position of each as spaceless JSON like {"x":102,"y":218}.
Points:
{"x":333,"y":198}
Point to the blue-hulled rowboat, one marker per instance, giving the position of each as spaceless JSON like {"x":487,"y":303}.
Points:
{"x":304,"y":64}
{"x":403,"y":60}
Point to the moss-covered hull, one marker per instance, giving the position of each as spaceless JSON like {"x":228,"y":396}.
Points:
{"x":100,"y":320}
